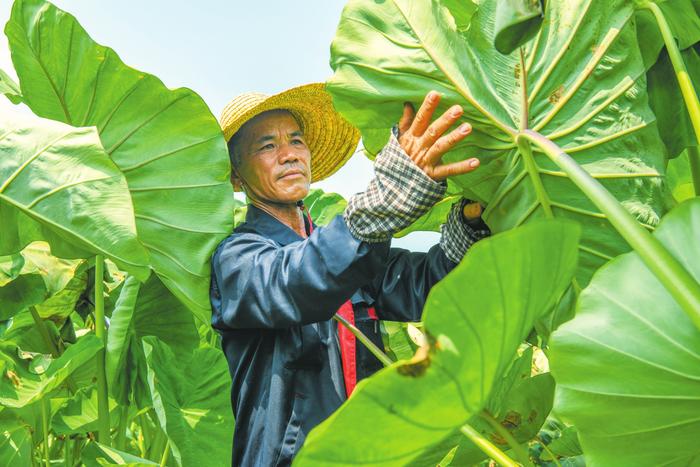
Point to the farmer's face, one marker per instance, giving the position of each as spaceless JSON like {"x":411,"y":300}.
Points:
{"x":274,"y":160}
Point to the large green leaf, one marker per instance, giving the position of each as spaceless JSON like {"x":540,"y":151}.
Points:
{"x":476,"y":318}
{"x":58,"y":184}
{"x":582,"y":79}
{"x":192,"y":399}
{"x":166,"y":142}
{"x":147,"y":309}
{"x":519,"y":403}
{"x":20,"y":386}
{"x":628,"y":366}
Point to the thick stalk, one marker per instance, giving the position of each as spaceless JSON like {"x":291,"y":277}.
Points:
{"x":68,"y":452}
{"x":694,"y":161}
{"x":517,"y":448}
{"x":376,"y":351}
{"x":166,"y":453}
{"x":120,"y":436}
{"x":45,"y":429}
{"x":531,"y":167}
{"x":686,"y":84}
{"x":77,"y":449}
{"x":672,"y":275}
{"x":102,"y":394}
{"x":487,"y":447}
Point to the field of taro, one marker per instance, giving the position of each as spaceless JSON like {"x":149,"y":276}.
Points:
{"x":570,"y":337}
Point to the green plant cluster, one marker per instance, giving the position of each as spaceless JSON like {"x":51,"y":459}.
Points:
{"x":570,"y":337}
{"x":583,"y":111}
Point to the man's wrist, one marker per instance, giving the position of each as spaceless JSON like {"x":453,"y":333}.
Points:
{"x":399,"y":194}
{"x":460,"y":233}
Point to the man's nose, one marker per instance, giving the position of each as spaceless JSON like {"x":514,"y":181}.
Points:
{"x":288,"y":154}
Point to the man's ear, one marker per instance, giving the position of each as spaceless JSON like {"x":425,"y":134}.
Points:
{"x":236,"y":180}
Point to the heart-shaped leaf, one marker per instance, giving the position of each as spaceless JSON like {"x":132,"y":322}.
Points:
{"x":192,"y":399}
{"x":475,"y":319}
{"x":166,"y":142}
{"x":628,"y":365}
{"x":57,"y":184}
{"x":580,"y":82}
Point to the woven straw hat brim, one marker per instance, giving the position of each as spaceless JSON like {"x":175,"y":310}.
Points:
{"x":330,"y":138}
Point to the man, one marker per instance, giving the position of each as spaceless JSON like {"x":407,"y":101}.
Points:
{"x":278,"y":280}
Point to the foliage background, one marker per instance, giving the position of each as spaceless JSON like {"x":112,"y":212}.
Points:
{"x":221,"y":48}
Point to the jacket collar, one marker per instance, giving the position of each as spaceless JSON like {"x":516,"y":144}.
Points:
{"x":268,"y":226}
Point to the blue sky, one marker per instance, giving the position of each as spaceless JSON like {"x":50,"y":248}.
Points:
{"x":223,"y":48}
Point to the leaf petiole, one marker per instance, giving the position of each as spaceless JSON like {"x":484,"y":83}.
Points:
{"x":487,"y":446}
{"x":690,"y":97}
{"x":670,"y":272}
{"x":103,"y":433}
{"x":376,"y":351}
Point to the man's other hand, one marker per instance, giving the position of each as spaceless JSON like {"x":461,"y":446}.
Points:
{"x":425,"y":142}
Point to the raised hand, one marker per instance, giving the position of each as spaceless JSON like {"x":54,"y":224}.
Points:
{"x":425,"y":142}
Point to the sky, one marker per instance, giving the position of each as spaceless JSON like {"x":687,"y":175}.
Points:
{"x":221,"y":49}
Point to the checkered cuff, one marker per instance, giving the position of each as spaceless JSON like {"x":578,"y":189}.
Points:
{"x":458,"y":233}
{"x":398,"y":195}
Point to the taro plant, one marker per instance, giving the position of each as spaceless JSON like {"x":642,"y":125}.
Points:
{"x":123,"y":177}
{"x":586,"y":120}
{"x":559,"y":101}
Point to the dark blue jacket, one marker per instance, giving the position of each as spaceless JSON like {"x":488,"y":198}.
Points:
{"x":273,"y":295}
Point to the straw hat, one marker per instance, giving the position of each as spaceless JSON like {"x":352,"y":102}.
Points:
{"x":330,"y":138}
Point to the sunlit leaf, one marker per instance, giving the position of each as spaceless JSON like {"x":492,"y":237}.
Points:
{"x":57,"y":184}
{"x":581,"y":84}
{"x":628,"y":366}
{"x":473,"y":342}
{"x":192,"y":399}
{"x":166,"y":142}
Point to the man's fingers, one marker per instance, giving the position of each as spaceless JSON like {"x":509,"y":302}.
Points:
{"x":425,"y":113}
{"x":441,"y":125}
{"x":443,"y":171}
{"x":407,"y":118}
{"x":447,"y":142}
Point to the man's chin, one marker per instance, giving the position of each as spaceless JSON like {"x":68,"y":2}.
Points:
{"x":295,"y":194}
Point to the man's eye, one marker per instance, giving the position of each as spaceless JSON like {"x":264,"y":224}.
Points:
{"x":267,"y":147}
{"x":298,"y":142}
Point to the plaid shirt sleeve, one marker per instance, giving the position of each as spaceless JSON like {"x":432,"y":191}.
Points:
{"x":398,"y":195}
{"x":458,"y":233}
